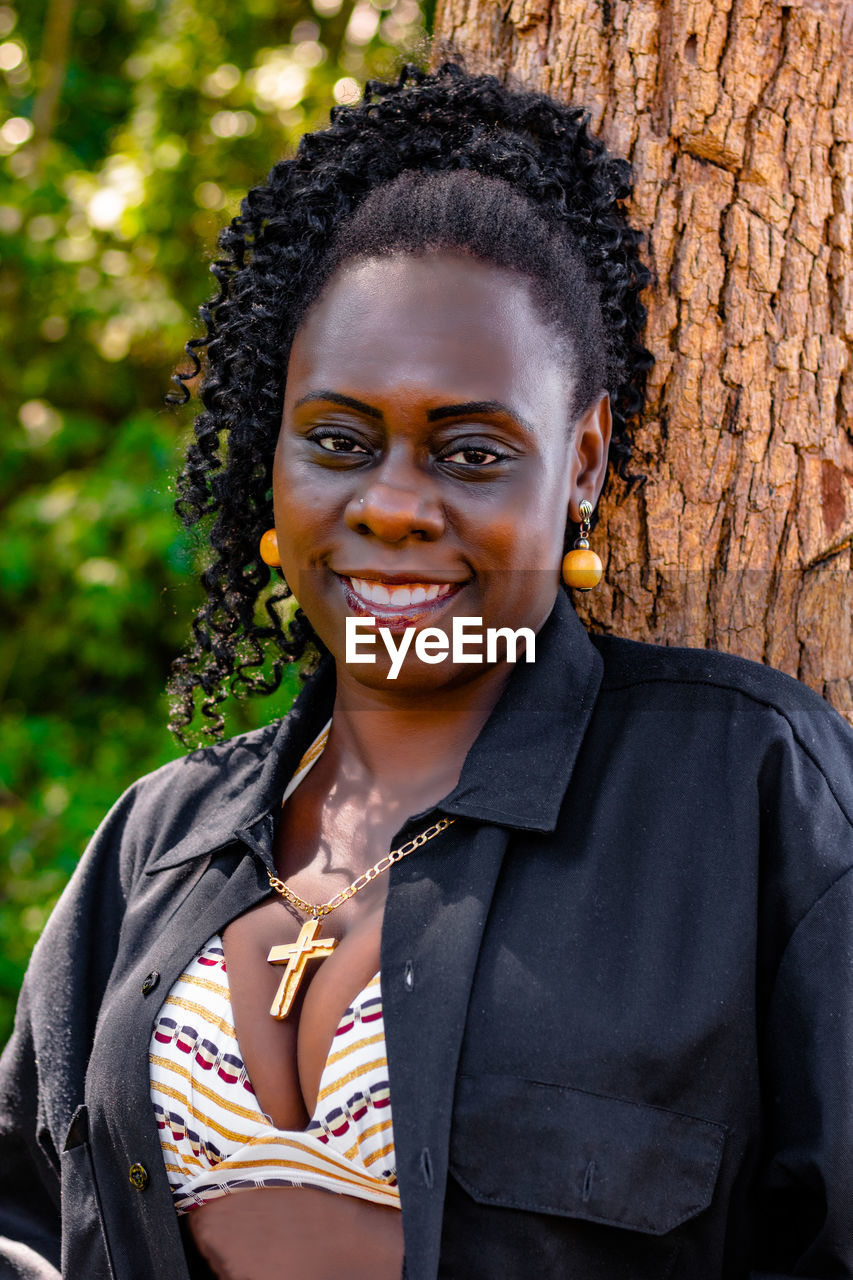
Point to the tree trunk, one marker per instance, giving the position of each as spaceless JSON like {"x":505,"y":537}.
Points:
{"x":737,"y":116}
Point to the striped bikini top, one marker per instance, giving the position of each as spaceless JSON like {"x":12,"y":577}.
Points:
{"x":215,"y":1138}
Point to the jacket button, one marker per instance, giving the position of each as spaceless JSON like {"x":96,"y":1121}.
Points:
{"x":409,"y":976}
{"x":150,"y":982}
{"x":138,"y":1176}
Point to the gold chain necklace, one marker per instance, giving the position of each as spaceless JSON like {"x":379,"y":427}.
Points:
{"x":308,"y":946}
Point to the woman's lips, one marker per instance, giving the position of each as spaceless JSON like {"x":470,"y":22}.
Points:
{"x":398,"y":605}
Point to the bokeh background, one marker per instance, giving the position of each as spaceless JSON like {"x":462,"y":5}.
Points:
{"x":129,"y":132}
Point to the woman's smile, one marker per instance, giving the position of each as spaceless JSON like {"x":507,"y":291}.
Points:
{"x":398,"y":601}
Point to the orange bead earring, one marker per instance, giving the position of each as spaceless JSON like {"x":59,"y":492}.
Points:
{"x":582,"y":567}
{"x":269,"y":549}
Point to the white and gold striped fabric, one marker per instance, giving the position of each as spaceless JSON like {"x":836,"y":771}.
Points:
{"x":214,"y":1136}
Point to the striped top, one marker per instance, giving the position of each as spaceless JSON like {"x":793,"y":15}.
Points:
{"x":214,"y":1136}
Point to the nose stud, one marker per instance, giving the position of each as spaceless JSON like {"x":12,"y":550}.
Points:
{"x":393,"y":512}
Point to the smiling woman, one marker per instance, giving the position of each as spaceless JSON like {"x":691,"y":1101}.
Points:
{"x":467,"y":967}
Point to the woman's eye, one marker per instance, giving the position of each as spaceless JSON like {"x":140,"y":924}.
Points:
{"x":334,"y":442}
{"x":474,"y":456}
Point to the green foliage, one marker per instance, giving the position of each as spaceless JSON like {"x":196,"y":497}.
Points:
{"x":168,"y":111}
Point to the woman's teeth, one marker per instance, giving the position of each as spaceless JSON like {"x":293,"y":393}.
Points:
{"x":400,"y":595}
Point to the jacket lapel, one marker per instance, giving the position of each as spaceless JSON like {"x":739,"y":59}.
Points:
{"x":436,"y":910}
{"x":220,"y":891}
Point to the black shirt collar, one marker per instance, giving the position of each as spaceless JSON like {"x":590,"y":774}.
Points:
{"x":518,"y":768}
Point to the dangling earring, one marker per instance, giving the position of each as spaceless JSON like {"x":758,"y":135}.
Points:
{"x":269,"y":549}
{"x":582,"y":567}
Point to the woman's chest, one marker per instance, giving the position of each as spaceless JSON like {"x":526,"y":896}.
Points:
{"x":285,"y":1056}
{"x":540,"y":951}
{"x":296,"y":962}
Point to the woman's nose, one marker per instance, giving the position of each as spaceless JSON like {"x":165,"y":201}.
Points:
{"x":394,"y":512}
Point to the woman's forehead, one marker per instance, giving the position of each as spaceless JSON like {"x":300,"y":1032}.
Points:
{"x":437,"y":319}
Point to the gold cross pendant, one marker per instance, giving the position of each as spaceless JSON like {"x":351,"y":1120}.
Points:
{"x":296,"y":955}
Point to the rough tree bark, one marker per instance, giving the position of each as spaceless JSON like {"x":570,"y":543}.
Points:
{"x":738,"y":118}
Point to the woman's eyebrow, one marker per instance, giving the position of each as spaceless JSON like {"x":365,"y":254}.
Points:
{"x":433,"y":415}
{"x":349,"y":402}
{"x":476,"y":406}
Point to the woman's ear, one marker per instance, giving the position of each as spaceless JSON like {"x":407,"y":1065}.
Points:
{"x":589,"y":454}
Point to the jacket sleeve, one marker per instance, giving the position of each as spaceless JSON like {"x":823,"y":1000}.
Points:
{"x":804,"y":1218}
{"x":43,"y":1067}
{"x":29,"y":1172}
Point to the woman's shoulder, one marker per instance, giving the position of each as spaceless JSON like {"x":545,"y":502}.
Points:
{"x":630,"y":663}
{"x":709,"y":690}
{"x":200,"y":772}
{"x":199,"y":799}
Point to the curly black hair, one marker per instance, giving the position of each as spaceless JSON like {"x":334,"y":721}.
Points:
{"x":385,"y":176}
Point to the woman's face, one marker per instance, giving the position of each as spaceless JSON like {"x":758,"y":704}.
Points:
{"x":427,"y":458}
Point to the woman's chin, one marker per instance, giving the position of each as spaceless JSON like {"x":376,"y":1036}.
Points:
{"x":413,"y":679}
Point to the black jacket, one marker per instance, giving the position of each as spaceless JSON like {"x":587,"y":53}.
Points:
{"x":617,"y":991}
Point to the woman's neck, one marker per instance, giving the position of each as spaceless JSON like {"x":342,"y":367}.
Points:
{"x":414,"y":743}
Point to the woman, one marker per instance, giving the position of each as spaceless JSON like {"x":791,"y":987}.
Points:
{"x":592,"y":1018}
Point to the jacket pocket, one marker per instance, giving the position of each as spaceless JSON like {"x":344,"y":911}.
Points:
{"x":84,"y":1243}
{"x":523,"y":1144}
